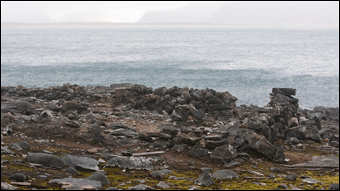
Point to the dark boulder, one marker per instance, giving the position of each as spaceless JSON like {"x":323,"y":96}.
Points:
{"x":303,"y":132}
{"x":45,"y":159}
{"x":263,"y":146}
{"x":73,"y":171}
{"x":160,"y":91}
{"x":80,"y":162}
{"x":72,"y":105}
{"x":199,"y":152}
{"x":224,"y":153}
{"x":284,"y":91}
{"x":18,"y":177}
{"x":19,"y":146}
{"x":22,"y":107}
{"x":99,"y":176}
{"x":205,"y":180}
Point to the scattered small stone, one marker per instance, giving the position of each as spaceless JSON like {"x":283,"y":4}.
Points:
{"x":156,"y":174}
{"x":206,"y":169}
{"x":271,"y":175}
{"x":184,"y":178}
{"x":291,"y":177}
{"x":230,"y":164}
{"x":276,"y":169}
{"x":255,"y":173}
{"x":41,"y":176}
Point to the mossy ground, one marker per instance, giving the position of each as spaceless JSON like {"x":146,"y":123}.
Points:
{"x":180,"y":164}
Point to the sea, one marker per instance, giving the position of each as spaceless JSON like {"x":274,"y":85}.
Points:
{"x":245,"y":60}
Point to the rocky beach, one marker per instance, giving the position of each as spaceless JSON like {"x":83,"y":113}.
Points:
{"x":129,"y":136}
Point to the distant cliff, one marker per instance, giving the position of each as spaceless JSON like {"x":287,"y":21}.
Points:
{"x":295,"y":13}
{"x":325,"y":13}
{"x":193,"y":12}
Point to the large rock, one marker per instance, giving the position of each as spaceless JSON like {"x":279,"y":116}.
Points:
{"x":22,"y":107}
{"x":224,"y":153}
{"x":224,"y":174}
{"x":303,"y":132}
{"x":74,"y":106}
{"x":284,"y":91}
{"x":199,"y":152}
{"x":169,"y":129}
{"x":6,"y":186}
{"x":99,"y":176}
{"x":141,"y":187}
{"x":205,"y":180}
{"x":78,"y":184}
{"x":263,"y":146}
{"x":18,"y":177}
{"x":160,"y":91}
{"x":45,"y":159}
{"x":91,"y":133}
{"x":19,"y":146}
{"x":139,"y":163}
{"x":80,"y":162}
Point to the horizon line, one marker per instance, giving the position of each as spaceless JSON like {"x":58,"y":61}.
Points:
{"x":156,"y":23}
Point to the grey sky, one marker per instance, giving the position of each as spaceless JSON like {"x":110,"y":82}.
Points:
{"x":130,"y":12}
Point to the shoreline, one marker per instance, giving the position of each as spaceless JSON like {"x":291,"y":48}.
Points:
{"x":108,"y":87}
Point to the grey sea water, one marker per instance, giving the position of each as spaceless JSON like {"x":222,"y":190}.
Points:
{"x":247,"y":61}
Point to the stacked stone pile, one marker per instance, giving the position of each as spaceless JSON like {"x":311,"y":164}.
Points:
{"x":183,"y":104}
{"x":204,"y":123}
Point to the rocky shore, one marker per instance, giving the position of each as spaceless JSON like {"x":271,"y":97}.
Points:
{"x":129,"y":136}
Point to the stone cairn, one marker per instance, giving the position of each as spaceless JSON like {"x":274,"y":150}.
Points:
{"x":183,"y":104}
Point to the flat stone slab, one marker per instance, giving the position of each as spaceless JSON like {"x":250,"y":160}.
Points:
{"x":139,"y":163}
{"x":45,"y":159}
{"x":321,"y":161}
{"x":310,"y":181}
{"x":224,"y":174}
{"x":77,"y":184}
{"x":230,"y":164}
{"x":141,"y":187}
{"x":84,"y":163}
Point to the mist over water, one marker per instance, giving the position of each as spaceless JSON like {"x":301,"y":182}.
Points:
{"x":247,"y":61}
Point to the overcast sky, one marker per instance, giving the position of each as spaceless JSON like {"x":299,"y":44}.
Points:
{"x":111,"y":11}
{"x":130,"y":12}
